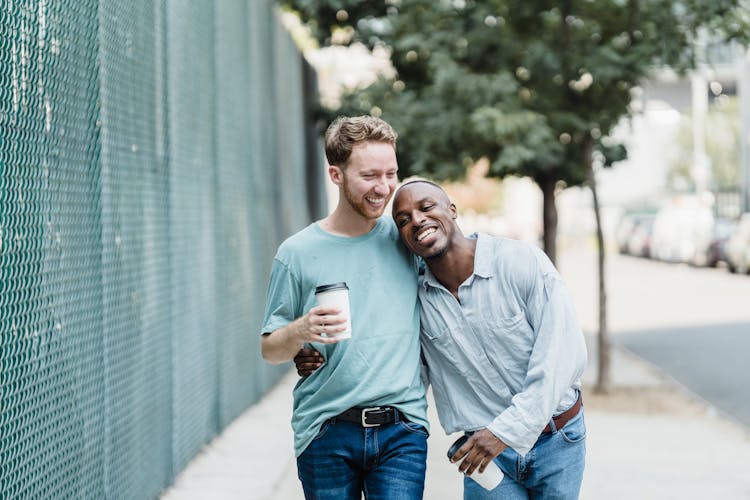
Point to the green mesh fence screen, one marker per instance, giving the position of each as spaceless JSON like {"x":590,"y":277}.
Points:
{"x":152,"y":156}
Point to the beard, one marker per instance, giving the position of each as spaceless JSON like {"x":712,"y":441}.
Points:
{"x":360,"y":205}
{"x":437,"y":254}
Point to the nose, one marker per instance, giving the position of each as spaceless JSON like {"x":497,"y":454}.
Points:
{"x":381,"y":187}
{"x":418,"y":218}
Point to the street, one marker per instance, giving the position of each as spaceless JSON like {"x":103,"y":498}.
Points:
{"x":710,"y":360}
{"x":692,"y":323}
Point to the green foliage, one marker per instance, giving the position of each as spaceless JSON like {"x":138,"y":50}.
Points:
{"x":525,"y":83}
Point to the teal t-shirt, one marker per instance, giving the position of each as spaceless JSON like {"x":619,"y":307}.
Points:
{"x":380,"y":364}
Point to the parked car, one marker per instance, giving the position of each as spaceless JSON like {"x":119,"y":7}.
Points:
{"x":737,"y":247}
{"x":639,"y":242}
{"x":627,"y":226}
{"x":709,"y":252}
{"x":679,"y":229}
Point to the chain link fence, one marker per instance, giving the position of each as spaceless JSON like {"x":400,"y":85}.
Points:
{"x":152,"y":157}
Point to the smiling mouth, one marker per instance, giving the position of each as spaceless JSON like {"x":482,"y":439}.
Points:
{"x":375,"y":201}
{"x":424,"y":234}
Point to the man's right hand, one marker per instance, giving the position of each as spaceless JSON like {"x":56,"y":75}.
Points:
{"x":307,"y":361}
{"x":319,"y":325}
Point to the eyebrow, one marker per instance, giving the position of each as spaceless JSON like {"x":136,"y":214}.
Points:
{"x":419,"y":202}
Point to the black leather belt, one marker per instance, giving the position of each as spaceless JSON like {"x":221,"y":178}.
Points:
{"x":370,"y":417}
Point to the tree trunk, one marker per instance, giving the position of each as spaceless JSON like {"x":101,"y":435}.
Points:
{"x":604,"y":378}
{"x":549,"y":216}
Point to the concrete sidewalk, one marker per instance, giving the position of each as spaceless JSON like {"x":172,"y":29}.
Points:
{"x":649,"y":438}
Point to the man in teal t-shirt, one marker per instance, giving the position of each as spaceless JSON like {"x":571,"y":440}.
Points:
{"x":360,"y":421}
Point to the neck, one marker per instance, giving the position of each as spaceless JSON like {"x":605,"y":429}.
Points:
{"x":455,"y":265}
{"x":344,"y":221}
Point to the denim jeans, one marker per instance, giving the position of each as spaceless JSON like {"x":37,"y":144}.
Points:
{"x":346,"y":459}
{"x":552,"y":470}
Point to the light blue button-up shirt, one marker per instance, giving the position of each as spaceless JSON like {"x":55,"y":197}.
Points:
{"x":510,"y":354}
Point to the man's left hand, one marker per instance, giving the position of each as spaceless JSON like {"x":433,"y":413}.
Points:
{"x":307,"y":361}
{"x":479,"y":450}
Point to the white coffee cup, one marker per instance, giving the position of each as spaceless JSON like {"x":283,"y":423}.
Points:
{"x":492,"y":475}
{"x":336,"y":295}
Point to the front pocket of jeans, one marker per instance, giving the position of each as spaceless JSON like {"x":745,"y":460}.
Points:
{"x":575,"y":430}
{"x":323,"y":429}
{"x":413,"y":428}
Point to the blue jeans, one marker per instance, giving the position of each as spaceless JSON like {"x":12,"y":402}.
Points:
{"x":346,"y":459}
{"x":552,"y":470}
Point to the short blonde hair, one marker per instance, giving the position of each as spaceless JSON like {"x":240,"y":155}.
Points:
{"x":347,"y":131}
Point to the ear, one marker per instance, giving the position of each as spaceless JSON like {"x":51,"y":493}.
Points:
{"x":336,"y":174}
{"x":454,"y":211}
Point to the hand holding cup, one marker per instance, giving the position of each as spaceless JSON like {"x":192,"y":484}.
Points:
{"x":475,"y":458}
{"x":322,"y":324}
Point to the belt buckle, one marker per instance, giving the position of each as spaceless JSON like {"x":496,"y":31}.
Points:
{"x":364,"y":417}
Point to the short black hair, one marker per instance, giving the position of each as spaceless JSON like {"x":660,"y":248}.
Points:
{"x":423,"y":181}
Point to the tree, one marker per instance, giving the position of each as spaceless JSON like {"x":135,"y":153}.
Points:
{"x":534,"y":86}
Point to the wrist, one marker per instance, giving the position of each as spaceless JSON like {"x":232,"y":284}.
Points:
{"x":294,"y":335}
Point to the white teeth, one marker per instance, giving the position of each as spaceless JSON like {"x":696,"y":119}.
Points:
{"x":425,"y":233}
{"x":375,"y":200}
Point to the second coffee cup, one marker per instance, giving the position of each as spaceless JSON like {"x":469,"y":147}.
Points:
{"x":492,"y":475}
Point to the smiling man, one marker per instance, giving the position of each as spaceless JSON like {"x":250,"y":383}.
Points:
{"x":503,"y":350}
{"x":359,"y":422}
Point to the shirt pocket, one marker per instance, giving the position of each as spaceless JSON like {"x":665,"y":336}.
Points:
{"x":509,"y":341}
{"x":442,"y":347}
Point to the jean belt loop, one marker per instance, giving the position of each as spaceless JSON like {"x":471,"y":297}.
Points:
{"x":552,"y":426}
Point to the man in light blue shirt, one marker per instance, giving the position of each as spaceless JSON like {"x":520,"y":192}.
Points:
{"x":503,"y":350}
{"x":360,"y":423}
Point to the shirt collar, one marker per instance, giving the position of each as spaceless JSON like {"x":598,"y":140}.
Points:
{"x":482,"y":261}
{"x":483,"y":256}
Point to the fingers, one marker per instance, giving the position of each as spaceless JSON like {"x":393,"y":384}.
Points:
{"x":471,"y":466}
{"x":308,"y":355}
{"x":324,"y":311}
{"x":461,"y":452}
{"x":305,"y":368}
{"x":321,"y":324}
{"x":473,"y":458}
{"x":306,"y":371}
{"x":471,"y":463}
{"x":320,"y":316}
{"x":330,"y":324}
{"x":332,"y":339}
{"x":307,"y":361}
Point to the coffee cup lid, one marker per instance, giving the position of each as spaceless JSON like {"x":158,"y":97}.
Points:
{"x":456,"y":445}
{"x":332,"y":286}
